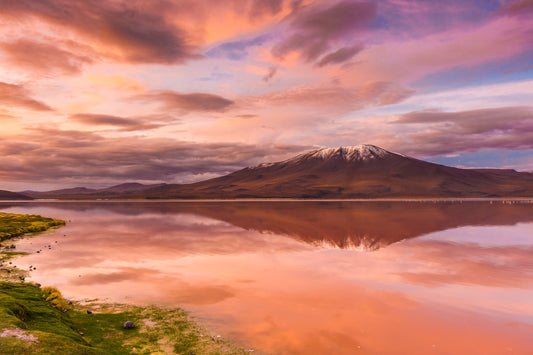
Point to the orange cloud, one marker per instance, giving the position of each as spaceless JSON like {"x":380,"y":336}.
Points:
{"x":116,"y":81}
{"x":17,"y":95}
{"x":44,"y":58}
{"x":335,"y":97}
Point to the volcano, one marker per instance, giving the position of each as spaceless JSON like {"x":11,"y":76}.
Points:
{"x":363,"y":171}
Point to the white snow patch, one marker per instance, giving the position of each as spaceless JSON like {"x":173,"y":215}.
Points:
{"x":350,"y":153}
{"x":263,"y":165}
{"x":362,"y":152}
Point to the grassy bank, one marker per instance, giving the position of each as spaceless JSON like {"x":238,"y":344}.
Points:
{"x":14,"y":225}
{"x":37,"y":320}
{"x":40,"y":321}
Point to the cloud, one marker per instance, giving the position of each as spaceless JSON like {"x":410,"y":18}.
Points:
{"x":467,"y":50}
{"x":43,"y":57}
{"x":116,"y":82}
{"x":17,"y":95}
{"x":334,"y":98}
{"x":341,"y":55}
{"x":95,"y":119}
{"x":66,"y":156}
{"x":313,"y":29}
{"x":126,"y":31}
{"x":476,"y":121}
{"x":173,"y":100}
{"x":380,"y":93}
{"x":236,"y":50}
{"x":520,"y":7}
{"x":262,"y":7}
{"x":511,"y":71}
{"x":468,"y":131}
{"x":415,"y":18}
{"x":271,"y":72}
{"x":497,"y":267}
{"x":6,"y":115}
{"x":125,"y":123}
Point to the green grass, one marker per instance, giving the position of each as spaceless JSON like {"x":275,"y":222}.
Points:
{"x":14,"y":225}
{"x":61,"y":328}
{"x":55,"y":326}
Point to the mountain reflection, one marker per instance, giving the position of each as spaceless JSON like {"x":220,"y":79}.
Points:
{"x":345,"y":225}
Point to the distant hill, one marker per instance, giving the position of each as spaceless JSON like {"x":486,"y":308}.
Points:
{"x":116,"y":191}
{"x":8,"y":195}
{"x":363,"y":171}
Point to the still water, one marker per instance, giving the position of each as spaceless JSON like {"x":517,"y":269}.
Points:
{"x":306,"y":277}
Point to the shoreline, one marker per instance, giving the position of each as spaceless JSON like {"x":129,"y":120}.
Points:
{"x":62,"y":326}
{"x":422,"y":199}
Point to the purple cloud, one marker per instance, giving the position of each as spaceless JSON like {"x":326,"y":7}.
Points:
{"x":173,"y":100}
{"x":236,"y":50}
{"x":123,"y":123}
{"x":42,"y":154}
{"x":314,"y":29}
{"x":271,"y":72}
{"x":341,"y":55}
{"x":268,"y":7}
{"x":468,"y":131}
{"x":520,"y":7}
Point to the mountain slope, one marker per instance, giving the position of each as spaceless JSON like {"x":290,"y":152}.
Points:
{"x":8,"y":195}
{"x":364,"y":171}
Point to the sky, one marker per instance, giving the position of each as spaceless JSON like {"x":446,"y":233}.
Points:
{"x":100,"y":92}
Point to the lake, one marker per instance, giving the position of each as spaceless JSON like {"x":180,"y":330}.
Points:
{"x":293,"y":277}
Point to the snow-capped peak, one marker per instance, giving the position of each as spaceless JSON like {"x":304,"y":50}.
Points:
{"x":363,"y":152}
{"x":349,"y":153}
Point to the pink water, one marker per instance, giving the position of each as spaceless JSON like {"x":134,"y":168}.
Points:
{"x":306,"y":277}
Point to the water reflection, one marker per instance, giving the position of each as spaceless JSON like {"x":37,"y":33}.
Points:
{"x":369,"y":225}
{"x":293,"y":277}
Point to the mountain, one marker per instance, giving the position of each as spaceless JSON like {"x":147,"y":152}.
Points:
{"x":116,"y":191}
{"x":8,"y":195}
{"x":363,"y":171}
{"x":127,"y":187}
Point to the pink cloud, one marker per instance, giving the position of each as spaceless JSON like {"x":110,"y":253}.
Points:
{"x":340,"y":55}
{"x":52,"y":59}
{"x":467,"y":131}
{"x":334,"y":98}
{"x":17,"y":95}
{"x":409,"y":60}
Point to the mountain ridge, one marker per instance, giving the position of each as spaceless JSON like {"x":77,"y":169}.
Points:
{"x":9,"y":195}
{"x":362,"y":171}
